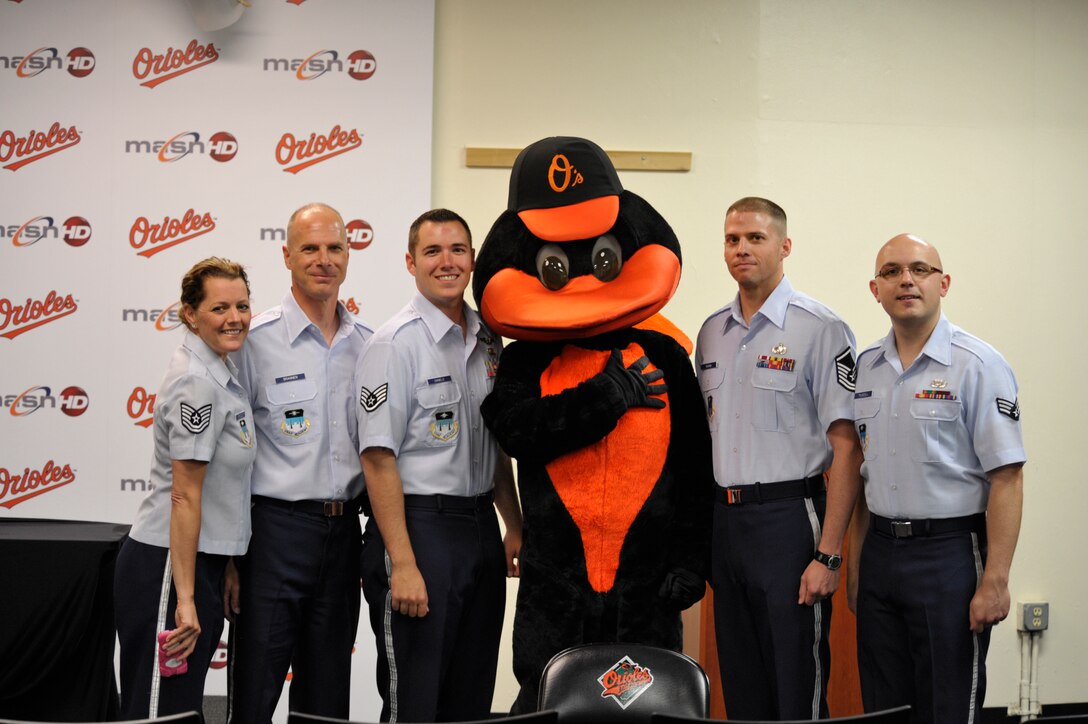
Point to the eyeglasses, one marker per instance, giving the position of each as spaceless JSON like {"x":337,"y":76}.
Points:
{"x":917,"y":270}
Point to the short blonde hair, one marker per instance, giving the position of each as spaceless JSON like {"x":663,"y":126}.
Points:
{"x":192,"y":284}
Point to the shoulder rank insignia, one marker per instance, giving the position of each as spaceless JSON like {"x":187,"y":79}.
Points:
{"x":195,"y":420}
{"x":1009,"y":409}
{"x":846,"y":370}
{"x":373,"y":400}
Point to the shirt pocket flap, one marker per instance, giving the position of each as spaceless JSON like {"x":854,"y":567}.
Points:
{"x":777,"y":380}
{"x":944,"y":410}
{"x":438,"y":395}
{"x":866,"y":407}
{"x":711,"y":378}
{"x":288,"y":393}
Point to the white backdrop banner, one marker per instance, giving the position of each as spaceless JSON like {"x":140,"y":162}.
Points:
{"x":133,"y":144}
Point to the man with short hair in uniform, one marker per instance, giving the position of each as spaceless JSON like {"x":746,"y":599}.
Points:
{"x":434,"y":563}
{"x":776,"y":369}
{"x":937,"y":414}
{"x":299,"y":581}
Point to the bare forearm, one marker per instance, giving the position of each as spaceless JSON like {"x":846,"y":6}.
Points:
{"x":1003,"y":515}
{"x":506,"y":494}
{"x":843,"y":484}
{"x":386,"y":493}
{"x":185,"y":500}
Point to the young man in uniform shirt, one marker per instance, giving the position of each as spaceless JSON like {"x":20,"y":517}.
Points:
{"x":937,"y":414}
{"x":434,"y":564}
{"x":299,"y":603}
{"x":776,"y":370}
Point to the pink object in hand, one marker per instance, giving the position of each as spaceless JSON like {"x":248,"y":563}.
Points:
{"x":169,"y":666}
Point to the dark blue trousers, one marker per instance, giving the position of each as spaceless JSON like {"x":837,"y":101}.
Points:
{"x":773,"y":654}
{"x":137,"y":593}
{"x":440,"y":667}
{"x":915,"y":645}
{"x":299,"y":609}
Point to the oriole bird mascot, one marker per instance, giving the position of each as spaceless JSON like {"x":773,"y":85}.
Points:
{"x":598,"y":402}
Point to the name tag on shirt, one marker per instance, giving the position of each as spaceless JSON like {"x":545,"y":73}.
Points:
{"x":863,"y":395}
{"x":439,"y":380}
{"x":290,"y":378}
{"x":708,"y":365}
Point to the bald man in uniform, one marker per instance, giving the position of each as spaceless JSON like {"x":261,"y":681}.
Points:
{"x":937,"y":415}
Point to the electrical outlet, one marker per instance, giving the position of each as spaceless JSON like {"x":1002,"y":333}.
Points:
{"x":1033,"y":616}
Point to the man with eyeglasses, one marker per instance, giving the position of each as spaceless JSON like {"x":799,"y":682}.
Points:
{"x":776,"y":369}
{"x":937,"y":415}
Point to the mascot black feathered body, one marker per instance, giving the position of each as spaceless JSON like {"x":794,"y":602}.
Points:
{"x":598,"y":403}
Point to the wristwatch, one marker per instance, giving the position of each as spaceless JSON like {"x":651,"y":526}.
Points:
{"x":832,"y":561}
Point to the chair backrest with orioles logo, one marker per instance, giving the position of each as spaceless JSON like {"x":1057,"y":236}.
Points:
{"x":614,"y":682}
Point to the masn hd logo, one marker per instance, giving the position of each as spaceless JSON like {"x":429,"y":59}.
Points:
{"x":221,"y":146}
{"x":164,"y":320}
{"x":357,"y":65}
{"x":76,"y":231}
{"x":79,"y":62}
{"x":72,"y":401}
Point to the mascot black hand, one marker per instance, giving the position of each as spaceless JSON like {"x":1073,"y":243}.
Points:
{"x":634,"y":384}
{"x":682,"y":588}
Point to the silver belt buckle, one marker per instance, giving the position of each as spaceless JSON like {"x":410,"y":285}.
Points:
{"x":901,"y":529}
{"x":334,"y":508}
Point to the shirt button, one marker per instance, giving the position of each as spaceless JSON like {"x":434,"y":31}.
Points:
{"x":336,"y":458}
{"x":895,"y":487}
{"x":740,"y":381}
{"x":334,"y":423}
{"x":932,"y":413}
{"x":895,"y":414}
{"x":738,"y":415}
{"x":743,"y":347}
{"x":734,"y":449}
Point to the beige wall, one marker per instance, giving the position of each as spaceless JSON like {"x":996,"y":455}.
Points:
{"x":963,"y":121}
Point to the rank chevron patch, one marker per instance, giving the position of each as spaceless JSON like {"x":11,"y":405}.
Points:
{"x":195,"y":420}
{"x":846,"y":370}
{"x":1009,"y":409}
{"x":373,"y":400}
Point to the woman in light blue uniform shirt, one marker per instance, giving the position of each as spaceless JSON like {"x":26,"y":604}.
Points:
{"x":169,"y":573}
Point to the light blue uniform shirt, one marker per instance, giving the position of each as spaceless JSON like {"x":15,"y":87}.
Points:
{"x":419,"y":385}
{"x":300,"y":388}
{"x":201,"y":413}
{"x":930,"y":434}
{"x":771,"y":389}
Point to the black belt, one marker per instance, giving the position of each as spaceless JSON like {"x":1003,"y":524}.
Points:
{"x":450,"y":502}
{"x":327,"y":508}
{"x":765,"y":492}
{"x":914,"y":528}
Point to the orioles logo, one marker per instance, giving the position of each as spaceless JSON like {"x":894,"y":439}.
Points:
{"x":625,"y":682}
{"x":562,"y":175}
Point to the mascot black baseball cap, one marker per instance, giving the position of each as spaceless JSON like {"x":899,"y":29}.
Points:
{"x":565,"y":188}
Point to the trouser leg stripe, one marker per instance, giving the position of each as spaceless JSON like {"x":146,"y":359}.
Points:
{"x":974,"y":636}
{"x":390,"y":655}
{"x":160,"y":625}
{"x":817,"y":611}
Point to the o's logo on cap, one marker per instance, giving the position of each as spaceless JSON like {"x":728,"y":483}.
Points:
{"x":562,"y":168}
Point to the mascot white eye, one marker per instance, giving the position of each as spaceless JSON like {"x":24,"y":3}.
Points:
{"x":607,"y":258}
{"x":552,"y":266}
